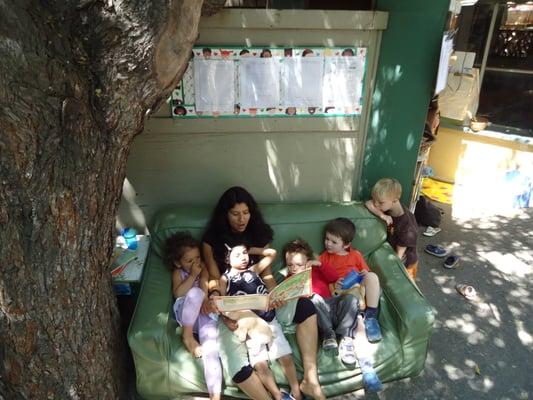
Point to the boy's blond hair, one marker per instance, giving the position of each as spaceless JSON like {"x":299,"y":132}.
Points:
{"x":388,"y":188}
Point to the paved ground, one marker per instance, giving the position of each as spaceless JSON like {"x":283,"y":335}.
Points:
{"x":478,"y":350}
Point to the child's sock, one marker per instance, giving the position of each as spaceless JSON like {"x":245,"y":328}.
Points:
{"x":371,"y":312}
{"x":370,"y":378}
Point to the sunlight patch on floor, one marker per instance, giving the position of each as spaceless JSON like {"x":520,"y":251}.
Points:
{"x":509,"y":264}
{"x":523,"y":335}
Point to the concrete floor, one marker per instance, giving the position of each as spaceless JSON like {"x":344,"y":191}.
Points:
{"x":484,"y":349}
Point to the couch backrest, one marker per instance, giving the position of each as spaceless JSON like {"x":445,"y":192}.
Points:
{"x":288,"y":220}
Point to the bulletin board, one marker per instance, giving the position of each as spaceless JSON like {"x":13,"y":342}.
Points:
{"x":237,"y":82}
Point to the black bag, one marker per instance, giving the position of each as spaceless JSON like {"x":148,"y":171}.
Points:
{"x":426,"y":213}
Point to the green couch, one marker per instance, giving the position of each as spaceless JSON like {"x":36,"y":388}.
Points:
{"x":164,"y":368}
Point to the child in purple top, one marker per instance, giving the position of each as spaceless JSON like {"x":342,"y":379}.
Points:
{"x":189,"y":287}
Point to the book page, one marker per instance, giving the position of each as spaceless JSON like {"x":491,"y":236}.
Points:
{"x":343,"y":78}
{"x":298,"y":285}
{"x":214,"y":85}
{"x":301,"y":82}
{"x":238,"y":303}
{"x":259,"y":82}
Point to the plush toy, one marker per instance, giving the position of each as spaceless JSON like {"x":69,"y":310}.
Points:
{"x":251,"y":325}
{"x":358,"y":291}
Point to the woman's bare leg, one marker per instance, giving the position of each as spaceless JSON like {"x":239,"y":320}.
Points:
{"x":254,"y":388}
{"x":267,"y":377}
{"x":307,"y":338}
{"x":289,"y":370}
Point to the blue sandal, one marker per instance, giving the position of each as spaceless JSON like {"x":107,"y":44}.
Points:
{"x":436,"y":251}
{"x":451,"y":262}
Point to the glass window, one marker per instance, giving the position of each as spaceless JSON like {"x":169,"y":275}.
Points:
{"x":506,"y":96}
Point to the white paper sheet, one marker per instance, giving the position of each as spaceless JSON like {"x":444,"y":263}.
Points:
{"x":445,"y":53}
{"x":343,"y":81}
{"x":214,"y":85}
{"x":259,"y":82}
{"x":301,"y":82}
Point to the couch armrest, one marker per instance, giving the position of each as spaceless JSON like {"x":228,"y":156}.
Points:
{"x":412,"y":313}
{"x":148,"y":333}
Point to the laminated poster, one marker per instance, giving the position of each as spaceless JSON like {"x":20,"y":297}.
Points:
{"x":249,"y":82}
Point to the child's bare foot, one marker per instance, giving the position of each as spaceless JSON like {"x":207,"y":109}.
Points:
{"x":312,"y":390}
{"x":193,"y":346}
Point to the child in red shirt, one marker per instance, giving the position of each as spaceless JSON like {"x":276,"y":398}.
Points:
{"x":336,"y":315}
{"x":339,"y":253}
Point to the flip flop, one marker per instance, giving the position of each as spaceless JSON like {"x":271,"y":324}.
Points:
{"x":467,"y":291}
{"x":436,"y":251}
{"x":451,"y":262}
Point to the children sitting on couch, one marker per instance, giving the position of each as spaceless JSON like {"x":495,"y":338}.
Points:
{"x":337,"y":315}
{"x":339,"y":253}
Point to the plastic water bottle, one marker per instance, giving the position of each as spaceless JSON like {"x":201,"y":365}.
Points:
{"x":352,"y":279}
{"x":130,"y":236}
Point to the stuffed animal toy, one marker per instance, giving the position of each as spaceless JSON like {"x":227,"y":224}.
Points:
{"x":251,"y":325}
{"x":358,"y":291}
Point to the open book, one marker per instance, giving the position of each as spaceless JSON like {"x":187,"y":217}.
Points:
{"x":298,"y":285}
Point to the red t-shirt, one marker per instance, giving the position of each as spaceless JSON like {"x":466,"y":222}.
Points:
{"x":344,"y":264}
{"x":321,"y":277}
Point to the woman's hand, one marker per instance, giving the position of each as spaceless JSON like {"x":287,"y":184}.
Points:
{"x":230,"y":323}
{"x":338,"y":284}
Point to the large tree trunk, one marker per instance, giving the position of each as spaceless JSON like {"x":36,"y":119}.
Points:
{"x":77,"y":80}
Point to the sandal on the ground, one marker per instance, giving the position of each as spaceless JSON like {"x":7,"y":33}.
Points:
{"x":431,"y":231}
{"x":436,"y":251}
{"x":451,"y":262}
{"x":467,"y":291}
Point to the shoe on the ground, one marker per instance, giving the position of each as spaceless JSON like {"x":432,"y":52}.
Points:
{"x":372,"y":382}
{"x":436,"y":251}
{"x":430,"y":231}
{"x":286,"y":395}
{"x":347,"y":350}
{"x":451,"y":262}
{"x":372,"y":329}
{"x":329,"y":344}
{"x":467,"y":291}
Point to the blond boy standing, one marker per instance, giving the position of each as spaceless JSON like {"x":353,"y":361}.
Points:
{"x":402,"y":228}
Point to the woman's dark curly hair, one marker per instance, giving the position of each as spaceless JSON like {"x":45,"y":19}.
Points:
{"x":176,"y":246}
{"x":218,"y":225}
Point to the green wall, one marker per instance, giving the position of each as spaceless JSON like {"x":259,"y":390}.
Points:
{"x":405,"y":77}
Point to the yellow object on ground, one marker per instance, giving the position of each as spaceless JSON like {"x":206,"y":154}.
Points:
{"x":437,"y":190}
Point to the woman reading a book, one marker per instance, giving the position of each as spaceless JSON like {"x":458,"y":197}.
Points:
{"x":236,"y":219}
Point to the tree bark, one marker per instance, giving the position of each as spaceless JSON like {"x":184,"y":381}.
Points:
{"x":77,"y":80}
